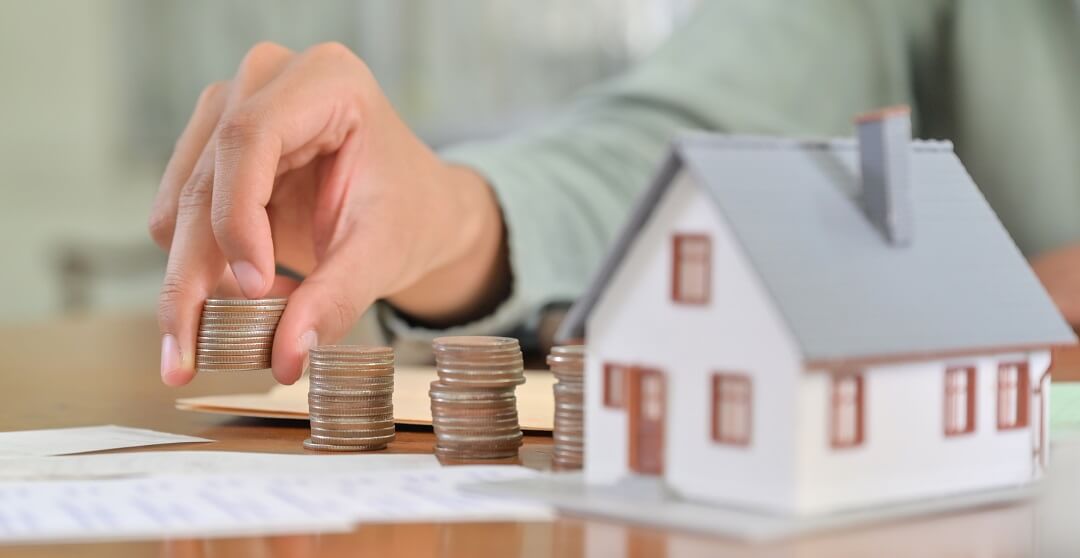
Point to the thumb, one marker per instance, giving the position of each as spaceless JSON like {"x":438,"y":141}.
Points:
{"x":320,"y":311}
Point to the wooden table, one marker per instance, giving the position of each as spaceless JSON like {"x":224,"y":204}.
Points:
{"x":104,"y":370}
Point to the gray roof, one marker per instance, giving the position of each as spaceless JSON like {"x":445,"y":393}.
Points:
{"x":961,"y":286}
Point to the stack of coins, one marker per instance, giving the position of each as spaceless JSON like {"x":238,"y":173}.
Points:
{"x":237,"y":334}
{"x":567,"y":363}
{"x":351,"y":398}
{"x":473,"y":406}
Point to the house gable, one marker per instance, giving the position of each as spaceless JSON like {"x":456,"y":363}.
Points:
{"x":737,"y":333}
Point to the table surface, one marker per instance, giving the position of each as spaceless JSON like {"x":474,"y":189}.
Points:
{"x":103,"y":370}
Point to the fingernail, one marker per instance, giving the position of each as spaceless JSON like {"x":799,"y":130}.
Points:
{"x":249,"y":278}
{"x":170,"y":355}
{"x":308,"y":341}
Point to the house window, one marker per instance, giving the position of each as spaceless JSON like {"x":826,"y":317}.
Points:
{"x":1012,"y":395}
{"x":614,"y":386}
{"x":692,"y":254}
{"x":959,"y":400}
{"x":732,"y":404}
{"x":846,"y":426}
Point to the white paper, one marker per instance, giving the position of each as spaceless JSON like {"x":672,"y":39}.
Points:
{"x":65,"y":441}
{"x":119,"y":465}
{"x":234,"y":504}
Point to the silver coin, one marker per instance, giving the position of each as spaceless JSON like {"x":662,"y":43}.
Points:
{"x":347,"y":415}
{"x":233,"y":318}
{"x":457,"y":422}
{"x":360,"y":431}
{"x":260,"y":351}
{"x":501,"y":360}
{"x":347,"y":379}
{"x":351,"y":404}
{"x":214,"y":360}
{"x":358,"y":423}
{"x":351,"y":375}
{"x":249,"y":335}
{"x":481,"y":382}
{"x":329,"y":416}
{"x":323,"y":362}
{"x":458,"y":452}
{"x":442,"y":393}
{"x":494,"y":411}
{"x":567,"y":352}
{"x":315,"y":446}
{"x":463,"y":434}
{"x":354,"y":440}
{"x":207,"y":367}
{"x":253,"y":329}
{"x":359,"y":392}
{"x":262,"y":356}
{"x":234,"y":342}
{"x":352,"y":380}
{"x":502,"y":418}
{"x":473,"y":342}
{"x":240,"y":315}
{"x":233,"y":326}
{"x":246,"y":301}
{"x":385,"y":395}
{"x":480,"y":438}
{"x":254,"y":308}
{"x":353,"y":351}
{"x":354,"y":383}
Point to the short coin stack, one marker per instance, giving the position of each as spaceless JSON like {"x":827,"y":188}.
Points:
{"x":237,"y":334}
{"x":473,"y":406}
{"x":351,"y":398}
{"x":567,"y":363}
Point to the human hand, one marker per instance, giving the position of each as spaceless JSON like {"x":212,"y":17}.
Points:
{"x":301,"y":160}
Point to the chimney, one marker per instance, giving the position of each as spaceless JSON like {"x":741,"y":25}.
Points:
{"x":884,"y":149}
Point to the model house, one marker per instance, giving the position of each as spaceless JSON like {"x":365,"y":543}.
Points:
{"x":803,"y":327}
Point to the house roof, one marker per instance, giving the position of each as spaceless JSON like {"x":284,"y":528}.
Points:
{"x":961,"y":286}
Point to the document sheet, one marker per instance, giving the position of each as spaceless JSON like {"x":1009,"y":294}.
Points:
{"x":148,"y":463}
{"x":64,"y":441}
{"x":236,"y":504}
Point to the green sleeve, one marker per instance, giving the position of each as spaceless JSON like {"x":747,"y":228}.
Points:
{"x":766,"y":66}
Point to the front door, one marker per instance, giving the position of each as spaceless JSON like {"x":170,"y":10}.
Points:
{"x":646,"y":405}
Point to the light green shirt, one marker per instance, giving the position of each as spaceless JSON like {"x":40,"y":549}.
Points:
{"x":1000,"y":78}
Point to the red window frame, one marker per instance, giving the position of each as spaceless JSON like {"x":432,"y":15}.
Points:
{"x":682,"y":259}
{"x":1013,"y":392}
{"x":959,"y":384}
{"x":839,"y":403}
{"x":615,"y":378}
{"x":732,"y":397}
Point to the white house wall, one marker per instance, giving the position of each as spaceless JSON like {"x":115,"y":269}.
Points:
{"x":636,"y":323}
{"x":905,"y":454}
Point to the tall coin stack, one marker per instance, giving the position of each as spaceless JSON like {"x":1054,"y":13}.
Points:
{"x":473,"y":406}
{"x":567,"y":363}
{"x":351,"y":398}
{"x":237,"y":334}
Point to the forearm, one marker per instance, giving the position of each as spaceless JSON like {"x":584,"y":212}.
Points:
{"x":477,"y":274}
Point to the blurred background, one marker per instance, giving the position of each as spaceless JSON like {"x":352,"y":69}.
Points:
{"x":94,"y":93}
